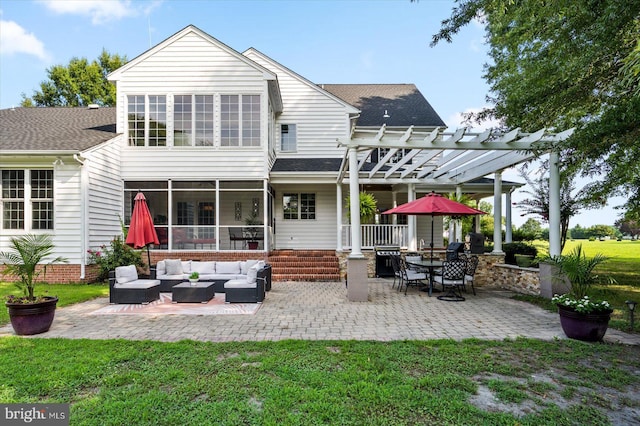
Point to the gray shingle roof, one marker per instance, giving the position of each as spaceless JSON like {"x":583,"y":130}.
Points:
{"x":404,"y":104}
{"x":55,"y":129}
{"x":307,"y":165}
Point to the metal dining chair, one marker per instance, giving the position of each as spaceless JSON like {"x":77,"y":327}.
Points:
{"x":452,"y":280}
{"x":411,"y":277}
{"x":470,"y":273}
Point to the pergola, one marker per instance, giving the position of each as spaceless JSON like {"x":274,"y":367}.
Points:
{"x":438,"y":157}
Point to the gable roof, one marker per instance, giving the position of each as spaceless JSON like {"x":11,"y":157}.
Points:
{"x":262,"y":56}
{"x":55,"y":129}
{"x":404,"y":104}
{"x":115,"y":75}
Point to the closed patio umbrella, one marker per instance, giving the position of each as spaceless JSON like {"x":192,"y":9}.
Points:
{"x":433,"y":205}
{"x":141,"y":230}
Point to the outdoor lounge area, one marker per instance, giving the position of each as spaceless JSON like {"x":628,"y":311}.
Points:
{"x":240,"y":281}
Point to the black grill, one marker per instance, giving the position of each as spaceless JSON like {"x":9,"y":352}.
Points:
{"x":453,"y":249}
{"x":384,"y":268}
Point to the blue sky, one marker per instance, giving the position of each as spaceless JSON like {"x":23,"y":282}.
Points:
{"x":324,"y":41}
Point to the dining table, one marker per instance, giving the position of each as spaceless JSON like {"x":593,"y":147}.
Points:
{"x":430,"y":264}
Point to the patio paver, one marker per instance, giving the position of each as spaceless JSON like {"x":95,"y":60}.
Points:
{"x":321,"y":311}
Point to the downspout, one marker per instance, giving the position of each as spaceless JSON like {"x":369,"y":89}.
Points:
{"x":84,"y":208}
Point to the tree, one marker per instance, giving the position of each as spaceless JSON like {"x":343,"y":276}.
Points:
{"x":538,"y":203}
{"x":628,"y":225}
{"x":578,"y":233}
{"x":530,"y":230}
{"x":562,"y":64}
{"x":80,"y":83}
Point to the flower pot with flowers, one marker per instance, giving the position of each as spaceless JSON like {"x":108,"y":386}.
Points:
{"x":581,"y":317}
{"x":30,"y":313}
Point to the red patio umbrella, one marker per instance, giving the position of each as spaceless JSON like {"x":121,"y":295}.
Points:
{"x":141,"y":230}
{"x":432,"y":205}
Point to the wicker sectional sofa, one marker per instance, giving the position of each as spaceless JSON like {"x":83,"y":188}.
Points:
{"x":175,"y":271}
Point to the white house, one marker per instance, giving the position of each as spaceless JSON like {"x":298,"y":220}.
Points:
{"x":214,"y":137}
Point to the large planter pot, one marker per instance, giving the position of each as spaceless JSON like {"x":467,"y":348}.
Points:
{"x":586,"y":327}
{"x":253,"y":245}
{"x":32,"y":318}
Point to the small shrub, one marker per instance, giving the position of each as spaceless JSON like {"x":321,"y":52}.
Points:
{"x":520,"y":247}
{"x":118,"y":254}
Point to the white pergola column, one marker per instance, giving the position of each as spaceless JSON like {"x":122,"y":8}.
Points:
{"x":508,"y":234}
{"x":497,"y":213}
{"x":339,"y":216}
{"x":411,"y":219}
{"x":357,"y":284}
{"x":394,"y":204}
{"x":555,"y":244}
{"x":354,"y":208}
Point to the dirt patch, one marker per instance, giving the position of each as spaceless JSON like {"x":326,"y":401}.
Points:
{"x":622,"y":407}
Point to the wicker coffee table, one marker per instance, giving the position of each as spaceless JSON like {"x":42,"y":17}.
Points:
{"x":200,"y":292}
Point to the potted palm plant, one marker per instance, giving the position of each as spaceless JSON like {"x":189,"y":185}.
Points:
{"x":29,"y":313}
{"x":581,"y":317}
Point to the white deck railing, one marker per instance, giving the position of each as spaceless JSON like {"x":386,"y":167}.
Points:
{"x":377,"y":235}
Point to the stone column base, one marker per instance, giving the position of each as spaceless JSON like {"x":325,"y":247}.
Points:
{"x":357,"y":282}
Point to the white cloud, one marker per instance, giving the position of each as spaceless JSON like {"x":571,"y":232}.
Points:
{"x":15,"y":39}
{"x":100,"y":11}
{"x":457,"y":120}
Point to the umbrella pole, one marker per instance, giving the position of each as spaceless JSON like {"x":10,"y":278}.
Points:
{"x":148,"y":258}
{"x":431,"y":237}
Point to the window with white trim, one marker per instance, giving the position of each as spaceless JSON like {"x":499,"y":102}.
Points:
{"x":240,"y":120}
{"x":288,"y":138}
{"x":147,"y":120}
{"x":27,"y":199}
{"x":299,"y":206}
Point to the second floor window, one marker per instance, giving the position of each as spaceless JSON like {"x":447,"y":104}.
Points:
{"x":240,"y":120}
{"x":147,"y":121}
{"x":288,"y":138}
{"x":193,"y":120}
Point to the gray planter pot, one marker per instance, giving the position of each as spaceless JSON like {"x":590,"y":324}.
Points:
{"x":550,"y":281}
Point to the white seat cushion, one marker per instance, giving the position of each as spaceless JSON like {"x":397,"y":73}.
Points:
{"x":227,"y":267}
{"x":240,"y":284}
{"x":203,"y":267}
{"x":139,"y":284}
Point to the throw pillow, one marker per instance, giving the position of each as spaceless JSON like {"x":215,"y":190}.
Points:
{"x":203,"y":267}
{"x":252,"y":274}
{"x":174,"y":266}
{"x":244,"y":266}
{"x":125,"y":274}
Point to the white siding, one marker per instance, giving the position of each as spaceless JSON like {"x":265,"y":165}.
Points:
{"x":68,"y":212}
{"x":104,"y":194}
{"x":307,"y":234}
{"x":192,"y":163}
{"x":193,"y":64}
{"x":320,"y":119}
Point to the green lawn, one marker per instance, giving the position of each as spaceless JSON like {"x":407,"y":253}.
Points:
{"x":437,"y":382}
{"x":67,"y":294}
{"x":623,"y":266}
